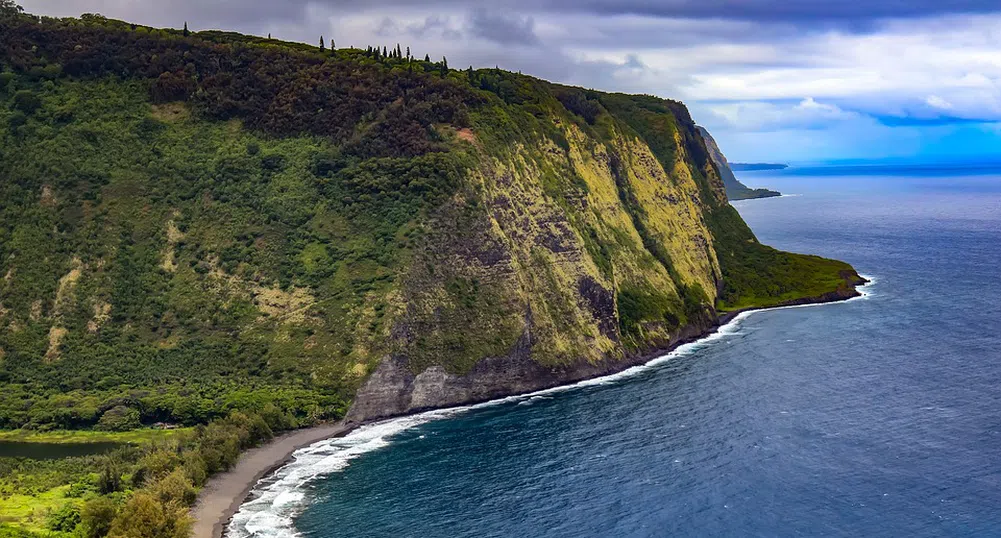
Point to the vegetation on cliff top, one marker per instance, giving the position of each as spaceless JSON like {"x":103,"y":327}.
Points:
{"x":228,"y":230}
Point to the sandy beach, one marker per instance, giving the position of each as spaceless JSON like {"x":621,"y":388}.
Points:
{"x":224,"y":493}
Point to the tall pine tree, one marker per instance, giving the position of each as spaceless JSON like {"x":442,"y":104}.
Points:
{"x":186,"y":32}
{"x":322,"y":47}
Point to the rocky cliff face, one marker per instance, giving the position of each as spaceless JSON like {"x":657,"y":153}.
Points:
{"x":735,"y":190}
{"x":586,"y":258}
{"x":553,"y":266}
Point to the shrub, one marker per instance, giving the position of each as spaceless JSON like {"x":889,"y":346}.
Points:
{"x":109,"y":480}
{"x":171,"y":87}
{"x":96,"y":517}
{"x":27,"y":102}
{"x":65,"y":519}
{"x":175,"y":488}
{"x":119,"y":419}
{"x":143,"y":516}
{"x":16,"y":120}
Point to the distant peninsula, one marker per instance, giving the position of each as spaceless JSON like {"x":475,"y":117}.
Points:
{"x":735,"y":190}
{"x":750,"y":167}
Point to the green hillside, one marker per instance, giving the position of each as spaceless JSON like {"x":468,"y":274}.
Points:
{"x":227,"y":230}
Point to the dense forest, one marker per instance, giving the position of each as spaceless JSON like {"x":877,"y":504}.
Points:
{"x":228,"y":233}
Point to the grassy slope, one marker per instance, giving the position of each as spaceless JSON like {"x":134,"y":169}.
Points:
{"x":166,"y":251}
{"x":189,"y":260}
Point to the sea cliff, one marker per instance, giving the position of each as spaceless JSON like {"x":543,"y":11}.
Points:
{"x":212,"y":228}
{"x":735,"y":190}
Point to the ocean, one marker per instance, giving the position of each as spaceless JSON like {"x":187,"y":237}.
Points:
{"x":880,"y":416}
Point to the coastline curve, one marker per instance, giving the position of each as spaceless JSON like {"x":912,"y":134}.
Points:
{"x":263,"y":493}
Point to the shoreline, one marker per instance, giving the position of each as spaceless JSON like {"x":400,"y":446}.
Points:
{"x":223,"y":495}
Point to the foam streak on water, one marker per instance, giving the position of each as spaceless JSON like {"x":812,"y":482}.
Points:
{"x":278,"y":499}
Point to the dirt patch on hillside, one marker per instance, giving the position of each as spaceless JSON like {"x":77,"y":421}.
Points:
{"x":468,"y":135}
{"x":174,"y":235}
{"x":48,"y":198}
{"x":284,"y":305}
{"x":67,"y":283}
{"x":56,"y":335}
{"x":102,"y":313}
{"x":171,"y":112}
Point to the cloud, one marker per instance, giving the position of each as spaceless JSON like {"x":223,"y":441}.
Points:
{"x":503,"y":29}
{"x":758,"y":116}
{"x":751,"y":68}
{"x":806,"y":13}
{"x":937,"y":102}
{"x":434,"y":26}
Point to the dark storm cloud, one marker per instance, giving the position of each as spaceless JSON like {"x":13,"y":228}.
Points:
{"x":434,"y":26}
{"x":503,"y":29}
{"x":844,"y":13}
{"x":221,"y":13}
{"x":776,"y":10}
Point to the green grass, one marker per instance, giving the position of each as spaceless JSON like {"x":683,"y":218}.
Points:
{"x":791,"y":277}
{"x":31,"y":511}
{"x":141,"y":436}
{"x":757,"y":276}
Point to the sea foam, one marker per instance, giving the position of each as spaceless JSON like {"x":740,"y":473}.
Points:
{"x":275,"y":501}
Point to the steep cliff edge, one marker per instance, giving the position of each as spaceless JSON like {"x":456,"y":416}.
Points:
{"x":735,"y":190}
{"x":600,"y":251}
{"x":197,"y":225}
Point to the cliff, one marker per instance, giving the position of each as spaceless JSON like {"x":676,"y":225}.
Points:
{"x":735,"y":190}
{"x":200,"y":224}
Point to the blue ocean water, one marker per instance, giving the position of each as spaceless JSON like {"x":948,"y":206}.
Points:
{"x":875,"y":417}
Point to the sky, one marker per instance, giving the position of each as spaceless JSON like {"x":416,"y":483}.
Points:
{"x":774,"y":81}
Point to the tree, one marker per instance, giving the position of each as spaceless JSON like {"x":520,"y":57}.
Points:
{"x":65,"y":519}
{"x":427,"y":58}
{"x":444,"y":66}
{"x":144,"y":517}
{"x":10,"y":8}
{"x":186,"y":32}
{"x":269,"y":35}
{"x":408,"y":54}
{"x":27,"y":102}
{"x":322,"y":47}
{"x":385,"y":53}
{"x":96,"y":517}
{"x":110,"y":479}
{"x":399,"y":54}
